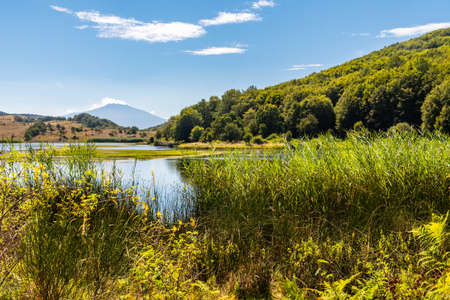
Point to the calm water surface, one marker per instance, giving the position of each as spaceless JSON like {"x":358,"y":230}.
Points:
{"x":160,"y":178}
{"x":104,"y":146}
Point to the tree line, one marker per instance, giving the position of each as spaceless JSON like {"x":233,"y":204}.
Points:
{"x":406,"y":83}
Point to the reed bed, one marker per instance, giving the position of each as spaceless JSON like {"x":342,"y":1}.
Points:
{"x":361,"y":218}
{"x":326,"y":190}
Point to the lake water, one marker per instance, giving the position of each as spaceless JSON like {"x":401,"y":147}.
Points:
{"x":104,"y":146}
{"x":160,"y":178}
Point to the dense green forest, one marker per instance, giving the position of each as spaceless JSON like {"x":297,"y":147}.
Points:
{"x":406,"y":83}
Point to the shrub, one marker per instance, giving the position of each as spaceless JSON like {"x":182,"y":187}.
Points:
{"x":35,"y":130}
{"x":247,"y":137}
{"x":257,"y":140}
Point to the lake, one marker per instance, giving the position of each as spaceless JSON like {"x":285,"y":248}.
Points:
{"x":104,"y":146}
{"x":159,"y":177}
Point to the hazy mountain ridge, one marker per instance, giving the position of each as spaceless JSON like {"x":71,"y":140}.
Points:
{"x":125,"y":115}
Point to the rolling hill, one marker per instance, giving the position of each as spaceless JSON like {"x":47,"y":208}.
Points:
{"x":125,"y":115}
{"x":407,"y":83}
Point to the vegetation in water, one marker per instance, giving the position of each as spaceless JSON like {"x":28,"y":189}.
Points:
{"x":360,"y":218}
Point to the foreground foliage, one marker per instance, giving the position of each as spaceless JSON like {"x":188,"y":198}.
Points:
{"x":361,"y":218}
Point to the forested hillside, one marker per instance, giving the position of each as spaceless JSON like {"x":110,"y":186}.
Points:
{"x":407,"y":82}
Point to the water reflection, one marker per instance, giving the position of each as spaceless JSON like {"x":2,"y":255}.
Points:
{"x":103,"y":146}
{"x":156,"y":177}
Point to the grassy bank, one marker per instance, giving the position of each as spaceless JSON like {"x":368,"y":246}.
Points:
{"x":145,"y":154}
{"x":230,"y":146}
{"x":99,"y":153}
{"x":361,"y":218}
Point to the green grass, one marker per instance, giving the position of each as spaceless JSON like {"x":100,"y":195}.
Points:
{"x":230,"y":146}
{"x":145,"y":154}
{"x":324,"y":193}
{"x":115,"y":140}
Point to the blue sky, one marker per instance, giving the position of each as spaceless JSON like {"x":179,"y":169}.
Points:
{"x":162,"y":55}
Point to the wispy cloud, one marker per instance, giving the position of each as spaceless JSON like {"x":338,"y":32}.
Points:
{"x":218,"y":51}
{"x":361,"y":34}
{"x":304,"y":67}
{"x":82,"y":27}
{"x":103,"y":102}
{"x":411,"y":31}
{"x":263,"y":3}
{"x":61,"y":9}
{"x":229,"y":18}
{"x":110,"y":26}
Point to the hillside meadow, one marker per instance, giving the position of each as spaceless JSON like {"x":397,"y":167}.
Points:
{"x":365,"y":217}
{"x":20,"y":128}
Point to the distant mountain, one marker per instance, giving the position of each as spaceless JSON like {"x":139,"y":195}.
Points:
{"x":2,"y":113}
{"x":125,"y":115}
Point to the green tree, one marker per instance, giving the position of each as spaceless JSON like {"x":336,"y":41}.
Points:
{"x":435,"y":109}
{"x":196,"y":133}
{"x":208,"y":135}
{"x":381,"y":105}
{"x":232,"y":132}
{"x":309,"y":125}
{"x":349,"y":108}
{"x":321,"y":108}
{"x":219,"y":124}
{"x":188,"y":119}
{"x":269,"y":119}
{"x":230,"y":98}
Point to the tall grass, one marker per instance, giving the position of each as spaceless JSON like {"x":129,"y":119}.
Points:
{"x":362,"y":218}
{"x":326,"y":189}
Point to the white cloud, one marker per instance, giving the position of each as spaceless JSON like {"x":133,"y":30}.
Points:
{"x":263,"y":3}
{"x":411,"y":31}
{"x":82,"y":27}
{"x":61,"y":9}
{"x":110,"y":26}
{"x":218,"y":51}
{"x":304,"y":67}
{"x":105,"y":101}
{"x":229,"y":18}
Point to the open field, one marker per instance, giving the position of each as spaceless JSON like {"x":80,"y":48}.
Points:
{"x":360,"y":218}
{"x":13,"y":130}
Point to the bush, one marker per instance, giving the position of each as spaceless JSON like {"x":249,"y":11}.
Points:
{"x":35,"y":130}
{"x":247,"y":137}
{"x":273,"y":136}
{"x":258,"y":140}
{"x":288,"y":136}
{"x":132,"y":130}
{"x":401,"y":128}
